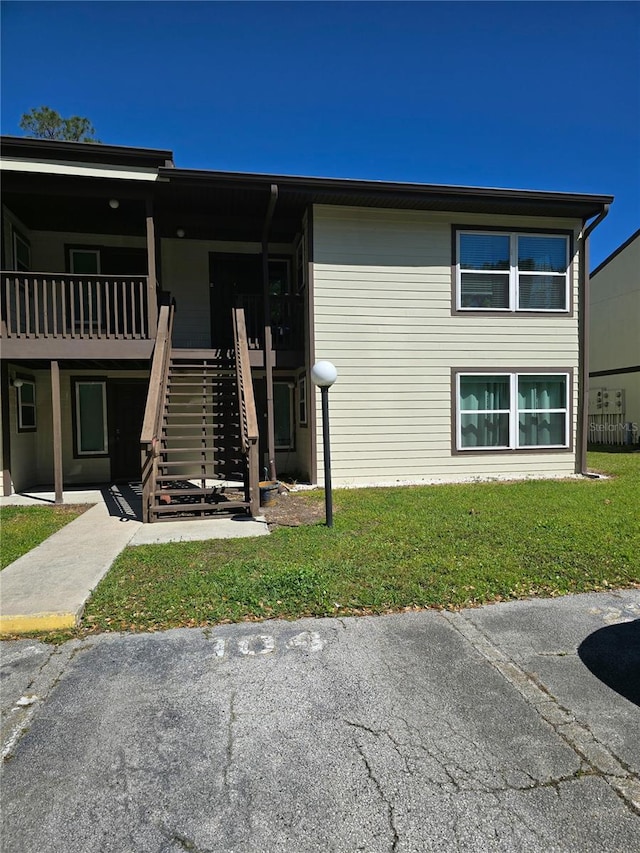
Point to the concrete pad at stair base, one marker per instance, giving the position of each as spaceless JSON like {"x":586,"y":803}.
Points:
{"x":199,"y":530}
{"x":47,"y":588}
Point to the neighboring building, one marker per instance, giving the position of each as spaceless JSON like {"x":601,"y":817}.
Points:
{"x":453,"y":315}
{"x":614,"y":347}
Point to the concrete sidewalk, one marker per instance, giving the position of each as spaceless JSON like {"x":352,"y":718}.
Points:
{"x":512,"y":727}
{"x":47,"y":588}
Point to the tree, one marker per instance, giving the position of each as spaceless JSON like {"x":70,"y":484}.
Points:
{"x":45,"y":123}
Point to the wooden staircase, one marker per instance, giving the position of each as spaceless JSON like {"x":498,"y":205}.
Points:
{"x":199,"y":439}
{"x":200,"y":449}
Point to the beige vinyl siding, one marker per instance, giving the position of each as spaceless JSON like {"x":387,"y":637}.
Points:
{"x":382,"y":305}
{"x":614,"y":340}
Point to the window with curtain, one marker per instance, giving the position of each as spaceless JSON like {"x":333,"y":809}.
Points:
{"x":90,"y":398}
{"x":498,"y":271}
{"x":511,"y":411}
{"x":484,"y":411}
{"x":542,"y":411}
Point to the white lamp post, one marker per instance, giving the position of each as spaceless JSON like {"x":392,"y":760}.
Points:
{"x":324,"y":374}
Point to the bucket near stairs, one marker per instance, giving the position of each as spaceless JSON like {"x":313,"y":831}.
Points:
{"x":268,"y":492}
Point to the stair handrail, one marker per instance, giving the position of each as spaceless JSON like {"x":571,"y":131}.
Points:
{"x":247,"y":406}
{"x":152,"y":423}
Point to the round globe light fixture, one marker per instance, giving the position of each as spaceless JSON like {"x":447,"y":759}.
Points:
{"x":323,"y":374}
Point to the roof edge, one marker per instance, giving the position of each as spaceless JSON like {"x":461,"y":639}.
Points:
{"x":355,"y":184}
{"x":615,"y":253}
{"x":83,"y":151}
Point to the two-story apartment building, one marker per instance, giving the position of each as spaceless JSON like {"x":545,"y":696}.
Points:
{"x":455,"y":317}
{"x":614,"y":347}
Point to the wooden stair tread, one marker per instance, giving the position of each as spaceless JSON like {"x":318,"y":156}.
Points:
{"x":209,"y":449}
{"x":224,"y":506}
{"x":208,"y":491}
{"x":186,"y":463}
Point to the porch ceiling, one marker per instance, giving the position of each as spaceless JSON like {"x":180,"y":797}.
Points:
{"x":224,"y":213}
{"x":54,"y":203}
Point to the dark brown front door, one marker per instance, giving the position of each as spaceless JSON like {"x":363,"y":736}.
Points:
{"x":126,"y":402}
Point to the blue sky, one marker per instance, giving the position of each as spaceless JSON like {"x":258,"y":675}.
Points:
{"x":524,"y":94}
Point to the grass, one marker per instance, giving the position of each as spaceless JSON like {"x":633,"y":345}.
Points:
{"x":392,"y":549}
{"x":24,"y":527}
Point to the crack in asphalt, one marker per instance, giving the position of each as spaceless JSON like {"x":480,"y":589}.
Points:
{"x":390,"y":808}
{"x":472,"y":785}
{"x":601,"y":760}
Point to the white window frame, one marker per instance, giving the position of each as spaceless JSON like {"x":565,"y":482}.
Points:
{"x":78,"y":250}
{"x":78,"y":423}
{"x":514,"y":411}
{"x":21,"y":406}
{"x":514,"y":272}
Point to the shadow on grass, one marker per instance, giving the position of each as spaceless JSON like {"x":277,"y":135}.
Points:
{"x":612,"y":654}
{"x":613,"y":448}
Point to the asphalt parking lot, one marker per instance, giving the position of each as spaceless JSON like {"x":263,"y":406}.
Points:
{"x":504,"y":728}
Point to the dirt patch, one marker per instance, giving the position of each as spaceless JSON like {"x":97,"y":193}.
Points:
{"x":293,"y":509}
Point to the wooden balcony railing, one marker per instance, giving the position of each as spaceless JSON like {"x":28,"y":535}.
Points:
{"x":287,"y":325}
{"x":51,"y":305}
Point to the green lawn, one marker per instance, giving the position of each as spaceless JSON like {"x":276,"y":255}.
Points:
{"x":390,"y":549}
{"x":24,"y":527}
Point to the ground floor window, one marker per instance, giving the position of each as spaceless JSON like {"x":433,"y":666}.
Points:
{"x":512,"y":411}
{"x":90,"y":417}
{"x":26,"y":393}
{"x":283,"y":415}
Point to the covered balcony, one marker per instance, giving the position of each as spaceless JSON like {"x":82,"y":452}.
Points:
{"x":50,"y":315}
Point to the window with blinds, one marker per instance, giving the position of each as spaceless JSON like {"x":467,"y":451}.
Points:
{"x":498,"y":271}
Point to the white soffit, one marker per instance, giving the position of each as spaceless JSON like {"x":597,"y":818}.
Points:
{"x":92,"y":170}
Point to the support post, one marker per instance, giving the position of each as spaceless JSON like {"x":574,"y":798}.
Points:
{"x":271,"y":427}
{"x":152,"y":281}
{"x":268,"y":343}
{"x":57,"y":431}
{"x":7,"y":486}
